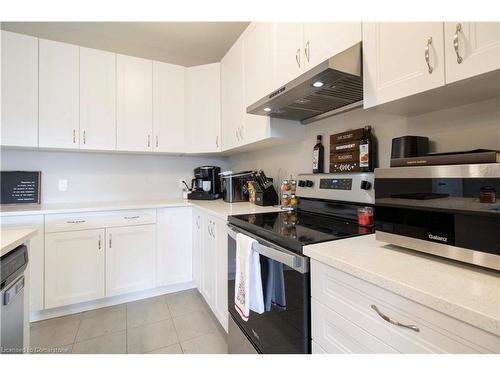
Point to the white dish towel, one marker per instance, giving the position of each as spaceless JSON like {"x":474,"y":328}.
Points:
{"x":248,"y":294}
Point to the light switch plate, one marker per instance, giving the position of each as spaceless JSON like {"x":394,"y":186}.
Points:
{"x":63,"y":185}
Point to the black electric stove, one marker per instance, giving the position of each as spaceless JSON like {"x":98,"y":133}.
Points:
{"x":295,"y":229}
{"x":328,"y":211}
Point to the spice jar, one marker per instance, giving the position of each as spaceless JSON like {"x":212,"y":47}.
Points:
{"x":487,"y":194}
{"x":293,"y":185}
{"x":285,"y":200}
{"x":365,"y":216}
{"x":285,"y":185}
{"x":294,"y":201}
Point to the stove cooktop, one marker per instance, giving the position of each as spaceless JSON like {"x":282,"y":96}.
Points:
{"x":294,"y":230}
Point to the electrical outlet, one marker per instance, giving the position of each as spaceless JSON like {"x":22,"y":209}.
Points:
{"x":63,"y":185}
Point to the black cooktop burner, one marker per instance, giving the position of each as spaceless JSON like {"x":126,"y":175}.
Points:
{"x":293,"y":230}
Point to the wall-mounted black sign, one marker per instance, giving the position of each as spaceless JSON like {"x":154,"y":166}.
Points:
{"x":20,"y":187}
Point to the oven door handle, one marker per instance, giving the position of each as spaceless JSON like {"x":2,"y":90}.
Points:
{"x":274,"y":252}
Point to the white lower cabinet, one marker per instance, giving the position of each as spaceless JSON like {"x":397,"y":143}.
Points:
{"x":344,"y":320}
{"x":74,"y":267}
{"x":210,"y":262}
{"x":36,"y":255}
{"x":130,"y":259}
{"x":174,"y":246}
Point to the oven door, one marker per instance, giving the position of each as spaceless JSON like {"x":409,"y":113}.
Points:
{"x":285,"y":326}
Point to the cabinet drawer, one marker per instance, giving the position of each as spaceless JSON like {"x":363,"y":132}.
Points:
{"x":353,"y":298}
{"x":92,"y":220}
{"x":337,"y":335}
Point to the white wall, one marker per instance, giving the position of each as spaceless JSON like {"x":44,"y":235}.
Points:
{"x":95,"y":177}
{"x":462,"y":128}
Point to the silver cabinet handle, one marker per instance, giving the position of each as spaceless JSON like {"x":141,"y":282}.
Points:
{"x":75,"y":221}
{"x":237,"y":135}
{"x":149,"y":140}
{"x":217,"y":141}
{"x":455,"y":43}
{"x":99,"y":243}
{"x":427,"y":60}
{"x":131,"y":217}
{"x":74,"y":135}
{"x":241,"y":132}
{"x":393,"y":321}
{"x":110,"y":240}
{"x":297,"y":57}
{"x":84,"y":136}
{"x":156,"y":141}
{"x":306,"y":51}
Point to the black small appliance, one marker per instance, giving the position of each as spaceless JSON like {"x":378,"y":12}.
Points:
{"x":206,"y":183}
{"x":409,"y":146}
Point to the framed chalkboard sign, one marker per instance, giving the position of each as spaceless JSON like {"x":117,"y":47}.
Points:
{"x":20,"y":187}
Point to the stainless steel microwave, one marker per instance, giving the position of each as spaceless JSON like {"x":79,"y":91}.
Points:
{"x":450,"y":211}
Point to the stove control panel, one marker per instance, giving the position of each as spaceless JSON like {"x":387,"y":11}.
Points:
{"x":336,"y":183}
{"x":349,"y":187}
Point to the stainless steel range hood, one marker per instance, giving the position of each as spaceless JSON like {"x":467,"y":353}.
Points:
{"x":341,"y":90}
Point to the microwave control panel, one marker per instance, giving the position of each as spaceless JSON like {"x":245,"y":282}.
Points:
{"x":336,"y":183}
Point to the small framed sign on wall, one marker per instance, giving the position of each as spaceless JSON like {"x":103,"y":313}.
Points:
{"x":20,"y":187}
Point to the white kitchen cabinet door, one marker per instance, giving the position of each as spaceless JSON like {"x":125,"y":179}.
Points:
{"x":197,"y":233}
{"x":134,"y":104}
{"x":174,"y":241}
{"x":36,"y":255}
{"x":208,"y":261}
{"x":97,"y":99}
{"x":168,"y":107}
{"x":19,"y":122}
{"x":74,"y":267}
{"x":232,"y":96}
{"x":477,"y":49}
{"x":394,"y":60}
{"x":58,"y":95}
{"x":288,"y":52}
{"x":258,"y":57}
{"x":323,"y":40}
{"x":220,"y":300}
{"x":203,"y":108}
{"x":130,"y":259}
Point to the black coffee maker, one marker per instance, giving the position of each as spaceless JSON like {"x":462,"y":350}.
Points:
{"x":206,"y":183}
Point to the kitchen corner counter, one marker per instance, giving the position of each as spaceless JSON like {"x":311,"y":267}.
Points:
{"x":12,"y":238}
{"x":217,"y":207}
{"x":464,"y":292}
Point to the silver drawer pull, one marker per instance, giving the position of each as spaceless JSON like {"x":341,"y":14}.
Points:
{"x":131,"y":217}
{"x":458,"y":29}
{"x":75,"y":221}
{"x":393,"y":321}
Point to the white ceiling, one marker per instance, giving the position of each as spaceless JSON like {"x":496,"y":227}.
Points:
{"x":182,"y":43}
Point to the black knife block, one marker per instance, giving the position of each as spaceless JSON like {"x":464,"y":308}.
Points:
{"x":266,"y":196}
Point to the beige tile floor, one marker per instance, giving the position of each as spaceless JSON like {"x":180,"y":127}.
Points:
{"x":170,"y":324}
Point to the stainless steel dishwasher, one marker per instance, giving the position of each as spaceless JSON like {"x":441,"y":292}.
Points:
{"x":12,"y":267}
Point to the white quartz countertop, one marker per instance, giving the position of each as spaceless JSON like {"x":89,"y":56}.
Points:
{"x":12,"y":238}
{"x":216,"y":207}
{"x":464,"y":292}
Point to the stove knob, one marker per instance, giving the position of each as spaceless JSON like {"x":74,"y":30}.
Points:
{"x":302,"y":183}
{"x":309,"y":183}
{"x":365,"y":185}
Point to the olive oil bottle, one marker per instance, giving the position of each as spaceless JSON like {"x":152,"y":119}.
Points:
{"x":318,"y":156}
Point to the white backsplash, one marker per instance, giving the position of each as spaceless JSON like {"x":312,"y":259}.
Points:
{"x":467,"y":127}
{"x":99,"y":177}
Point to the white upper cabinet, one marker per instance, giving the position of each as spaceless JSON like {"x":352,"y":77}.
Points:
{"x":19,"y":123}
{"x":134,"y":90}
{"x":258,"y":63}
{"x":97,"y":99}
{"x":471,"y":48}
{"x":203,"y":108}
{"x":58,"y":95}
{"x":288,"y":52}
{"x":322,"y":40}
{"x":401,"y":59}
{"x":168,"y":107}
{"x":232,"y":96}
